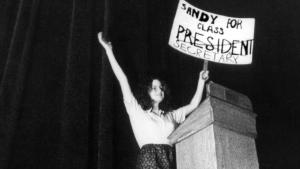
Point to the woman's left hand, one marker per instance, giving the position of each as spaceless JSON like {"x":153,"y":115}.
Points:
{"x":204,"y":75}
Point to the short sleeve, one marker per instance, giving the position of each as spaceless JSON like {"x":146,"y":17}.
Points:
{"x":178,"y":116}
{"x":132,"y":106}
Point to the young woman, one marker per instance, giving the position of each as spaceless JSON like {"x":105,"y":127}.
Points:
{"x":152,"y":126}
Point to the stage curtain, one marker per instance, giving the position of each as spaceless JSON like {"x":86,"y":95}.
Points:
{"x":50,"y":73}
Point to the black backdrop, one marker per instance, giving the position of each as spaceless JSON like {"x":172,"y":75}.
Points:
{"x":61,"y":107}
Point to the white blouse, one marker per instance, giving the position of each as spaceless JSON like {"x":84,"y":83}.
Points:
{"x":151,"y":128}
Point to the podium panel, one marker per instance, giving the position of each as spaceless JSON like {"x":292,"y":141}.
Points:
{"x":198,"y":151}
{"x":234,"y":150}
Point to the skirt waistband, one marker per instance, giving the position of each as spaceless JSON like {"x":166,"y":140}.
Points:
{"x":155,"y":146}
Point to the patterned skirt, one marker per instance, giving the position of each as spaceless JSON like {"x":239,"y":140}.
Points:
{"x":156,"y":156}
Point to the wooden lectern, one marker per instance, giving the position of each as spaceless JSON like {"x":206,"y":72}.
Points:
{"x":219,"y":134}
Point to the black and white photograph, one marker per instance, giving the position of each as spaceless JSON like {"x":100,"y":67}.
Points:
{"x":137,"y":84}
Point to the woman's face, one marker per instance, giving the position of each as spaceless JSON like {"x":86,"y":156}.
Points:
{"x":156,"y":91}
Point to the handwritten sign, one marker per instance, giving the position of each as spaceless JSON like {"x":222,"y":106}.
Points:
{"x":212,"y":37}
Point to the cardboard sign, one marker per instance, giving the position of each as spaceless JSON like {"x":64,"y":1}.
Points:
{"x":212,"y":37}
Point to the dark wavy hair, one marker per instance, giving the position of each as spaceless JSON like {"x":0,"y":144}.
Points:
{"x":144,"y":99}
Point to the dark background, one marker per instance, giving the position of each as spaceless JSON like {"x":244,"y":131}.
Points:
{"x":61,"y":106}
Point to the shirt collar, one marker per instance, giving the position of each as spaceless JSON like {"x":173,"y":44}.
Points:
{"x":161,"y":112}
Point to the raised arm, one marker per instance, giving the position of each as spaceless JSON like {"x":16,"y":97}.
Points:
{"x":127,"y":94}
{"x":187,"y":109}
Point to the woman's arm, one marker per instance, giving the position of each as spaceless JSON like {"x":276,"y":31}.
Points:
{"x":127,"y":94}
{"x":185,"y":110}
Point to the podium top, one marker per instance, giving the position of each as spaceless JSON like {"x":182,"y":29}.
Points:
{"x":228,"y":95}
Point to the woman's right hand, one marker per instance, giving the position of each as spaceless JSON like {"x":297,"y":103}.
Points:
{"x":106,"y":45}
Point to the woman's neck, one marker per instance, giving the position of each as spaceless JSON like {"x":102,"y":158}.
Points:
{"x":155,"y":108}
